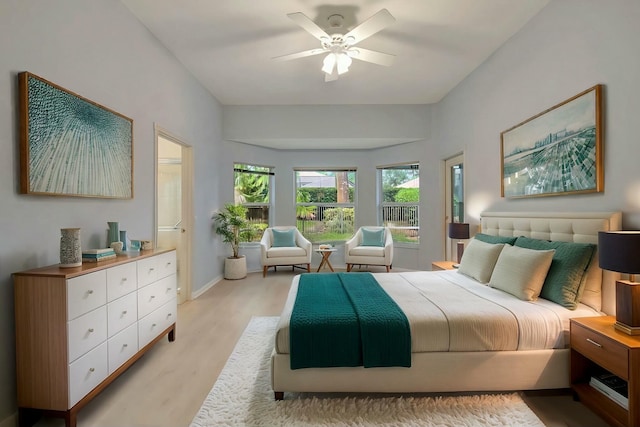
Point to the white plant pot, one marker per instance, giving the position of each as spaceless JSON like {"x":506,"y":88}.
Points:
{"x":235,"y":268}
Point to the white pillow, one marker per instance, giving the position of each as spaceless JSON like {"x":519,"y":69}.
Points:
{"x":478,"y":260}
{"x":521,"y":271}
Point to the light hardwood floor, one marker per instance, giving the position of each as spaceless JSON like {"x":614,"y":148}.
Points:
{"x":168,"y":384}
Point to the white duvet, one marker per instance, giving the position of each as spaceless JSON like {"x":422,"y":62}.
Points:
{"x":448,"y":311}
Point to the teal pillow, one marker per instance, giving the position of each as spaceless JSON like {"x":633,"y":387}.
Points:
{"x":487,"y":238}
{"x":564,"y":283}
{"x":372,"y":237}
{"x":283,"y":238}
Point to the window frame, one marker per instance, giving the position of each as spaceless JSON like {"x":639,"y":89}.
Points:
{"x":352,"y":204}
{"x":382,"y":204}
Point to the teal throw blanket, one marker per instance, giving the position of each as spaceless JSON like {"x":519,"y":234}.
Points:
{"x":347,"y":319}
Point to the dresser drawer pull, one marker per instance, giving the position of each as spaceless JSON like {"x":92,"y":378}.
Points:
{"x":151,"y":269}
{"x":169,"y":315}
{"x":168,"y":263}
{"x":125,"y":345}
{"x":152,"y":296}
{"x":92,"y":369}
{"x":124,"y":279}
{"x":90,"y":291}
{"x":153,"y":326}
{"x":124,"y":312}
{"x":90,"y":329}
{"x":593,"y":342}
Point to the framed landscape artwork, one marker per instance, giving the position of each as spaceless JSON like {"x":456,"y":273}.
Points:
{"x":71,"y":146}
{"x":558,"y":151}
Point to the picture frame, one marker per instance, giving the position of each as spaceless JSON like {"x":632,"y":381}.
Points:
{"x":556,"y":152}
{"x":71,"y":146}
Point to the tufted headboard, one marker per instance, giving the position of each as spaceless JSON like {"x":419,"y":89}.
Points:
{"x":579,"y":227}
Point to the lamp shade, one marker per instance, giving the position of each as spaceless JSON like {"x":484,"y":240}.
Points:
{"x":458,"y":230}
{"x":619,"y":251}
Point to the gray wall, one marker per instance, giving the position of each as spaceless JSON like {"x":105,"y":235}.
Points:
{"x":98,"y":50}
{"x":570,"y":46}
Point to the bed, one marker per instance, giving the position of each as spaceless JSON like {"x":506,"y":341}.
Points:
{"x":473,"y":356}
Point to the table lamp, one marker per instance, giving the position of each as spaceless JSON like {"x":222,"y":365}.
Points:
{"x":460,"y":231}
{"x":620,"y":251}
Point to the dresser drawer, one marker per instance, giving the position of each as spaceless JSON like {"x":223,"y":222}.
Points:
{"x":86,"y":332}
{"x":604,"y":351}
{"x":121,"y":280}
{"x":147,"y":271}
{"x":122,"y":347}
{"x":122,"y":313}
{"x":166,"y":264}
{"x":86,"y":373}
{"x":154,"y":295}
{"x":85,"y":293}
{"x":150,"y":326}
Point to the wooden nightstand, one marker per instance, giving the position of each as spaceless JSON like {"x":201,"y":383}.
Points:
{"x":596,"y":344}
{"x":442,"y":265}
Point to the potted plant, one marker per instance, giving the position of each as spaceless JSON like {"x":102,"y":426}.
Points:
{"x":231,"y":223}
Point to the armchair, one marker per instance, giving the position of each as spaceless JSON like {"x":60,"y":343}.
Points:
{"x":367,"y":247}
{"x":279,"y":247}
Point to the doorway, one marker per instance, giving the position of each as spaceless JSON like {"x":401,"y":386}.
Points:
{"x":174,"y":189}
{"x":454,"y":200}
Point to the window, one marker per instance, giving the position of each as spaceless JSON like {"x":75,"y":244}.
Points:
{"x":454,"y":194}
{"x":457,"y":193}
{"x":325,"y":205}
{"x":399,"y":201}
{"x":252,"y":188}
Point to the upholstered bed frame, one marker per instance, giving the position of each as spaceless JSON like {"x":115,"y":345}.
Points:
{"x":470,"y":371}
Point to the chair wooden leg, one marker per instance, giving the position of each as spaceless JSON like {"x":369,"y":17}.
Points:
{"x":388,"y":268}
{"x":349,"y":267}
{"x":264,"y":271}
{"x":309,"y":268}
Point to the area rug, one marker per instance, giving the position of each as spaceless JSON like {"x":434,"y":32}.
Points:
{"x":242,"y":396}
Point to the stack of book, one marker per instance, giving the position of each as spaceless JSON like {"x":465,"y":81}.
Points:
{"x":95,"y":255}
{"x":612,"y":386}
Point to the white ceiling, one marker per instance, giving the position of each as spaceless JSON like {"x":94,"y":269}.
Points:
{"x":228,"y":45}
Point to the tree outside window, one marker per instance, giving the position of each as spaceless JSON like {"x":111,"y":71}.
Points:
{"x":252,"y":189}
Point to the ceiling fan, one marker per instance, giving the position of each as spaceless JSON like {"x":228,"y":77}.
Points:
{"x":340,"y":47}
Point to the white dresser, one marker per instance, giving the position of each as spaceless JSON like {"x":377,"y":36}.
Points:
{"x":78,"y":328}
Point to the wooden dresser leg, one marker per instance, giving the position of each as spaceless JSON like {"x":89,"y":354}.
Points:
{"x":70,"y":419}
{"x":278,"y":395}
{"x":172,"y":334}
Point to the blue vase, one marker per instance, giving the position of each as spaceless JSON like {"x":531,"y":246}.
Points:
{"x":123,"y":239}
{"x":113,"y":235}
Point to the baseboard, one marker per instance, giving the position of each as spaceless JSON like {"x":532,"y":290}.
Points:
{"x":10,"y":421}
{"x":202,"y":290}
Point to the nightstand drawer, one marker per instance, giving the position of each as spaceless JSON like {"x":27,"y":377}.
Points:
{"x":604,"y":351}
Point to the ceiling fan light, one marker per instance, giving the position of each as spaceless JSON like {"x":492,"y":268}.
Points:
{"x":328,"y":63}
{"x":350,"y":40}
{"x":344,"y":62}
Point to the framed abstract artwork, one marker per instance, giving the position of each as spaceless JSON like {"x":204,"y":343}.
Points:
{"x":71,"y":146}
{"x":558,"y":151}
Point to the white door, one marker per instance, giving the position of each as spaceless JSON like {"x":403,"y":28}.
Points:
{"x":174,"y":178}
{"x":454,"y":200}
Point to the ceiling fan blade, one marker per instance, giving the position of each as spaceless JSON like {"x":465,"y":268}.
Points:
{"x":302,"y":54}
{"x":371,"y":26}
{"x":367,"y":55}
{"x":308,"y":25}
